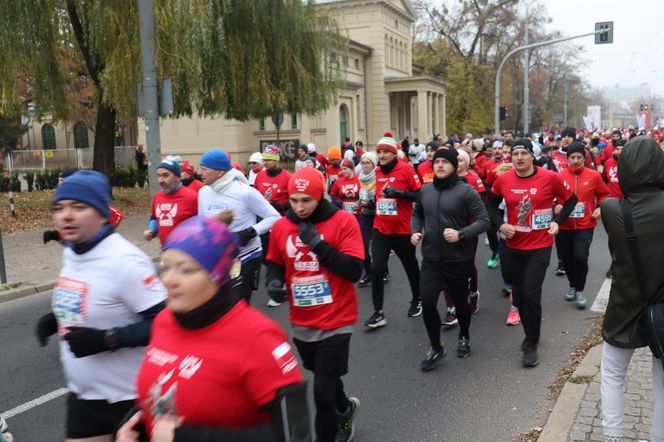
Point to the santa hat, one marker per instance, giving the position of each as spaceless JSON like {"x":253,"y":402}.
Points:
{"x":387,"y":143}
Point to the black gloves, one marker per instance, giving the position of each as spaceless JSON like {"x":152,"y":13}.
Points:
{"x":246,"y":235}
{"x":391,"y":192}
{"x":47,"y":326}
{"x":277,"y":290}
{"x":309,"y":235}
{"x":84,"y":341}
{"x":51,"y":235}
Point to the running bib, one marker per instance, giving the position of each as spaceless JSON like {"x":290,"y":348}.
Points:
{"x":386,"y":206}
{"x":350,"y":206}
{"x":311,"y":291}
{"x":70,"y":302}
{"x":542,"y":219}
{"x":579,"y":211}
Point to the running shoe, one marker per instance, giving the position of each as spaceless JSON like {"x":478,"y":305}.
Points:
{"x":3,"y":425}
{"x":474,"y":301}
{"x":486,"y":241}
{"x":450,"y":318}
{"x":493,"y":262}
{"x":386,"y":278}
{"x":432,"y":358}
{"x":346,"y":429}
{"x":415,"y":309}
{"x":513,"y":317}
{"x":272,"y":303}
{"x":529,"y":358}
{"x":609,"y":273}
{"x":560,"y":271}
{"x":571,"y":294}
{"x":507,"y":290}
{"x":581,"y":301}
{"x":463,"y":348}
{"x":524,"y":345}
{"x":376,"y":320}
{"x":365,"y":281}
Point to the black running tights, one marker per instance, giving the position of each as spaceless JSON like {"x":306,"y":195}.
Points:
{"x":380,"y":254}
{"x":330,"y":400}
{"x":574,"y":248}
{"x":366,"y":227}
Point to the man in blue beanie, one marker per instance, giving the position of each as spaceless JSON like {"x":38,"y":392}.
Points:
{"x":104,"y":301}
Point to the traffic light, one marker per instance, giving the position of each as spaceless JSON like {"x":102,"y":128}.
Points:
{"x":604,"y":37}
{"x":640,"y":108}
{"x":503,"y":112}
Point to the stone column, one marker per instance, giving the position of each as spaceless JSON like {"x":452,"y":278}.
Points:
{"x":423,"y":115}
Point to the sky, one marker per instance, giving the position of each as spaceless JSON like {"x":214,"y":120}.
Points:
{"x":637,"y":53}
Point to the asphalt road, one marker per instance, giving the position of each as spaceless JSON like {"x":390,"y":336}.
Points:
{"x":486,"y":397}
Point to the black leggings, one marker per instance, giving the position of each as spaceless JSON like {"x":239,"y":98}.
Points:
{"x":380,"y":253}
{"x":526,"y":270}
{"x":330,"y":400}
{"x":453,"y":278}
{"x":366,"y":226}
{"x":249,"y":274}
{"x":574,"y":248}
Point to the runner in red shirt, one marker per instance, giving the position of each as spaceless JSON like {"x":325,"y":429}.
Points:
{"x":345,"y":191}
{"x":173,"y":204}
{"x":567,"y":136}
{"x":611,"y":171}
{"x":576,"y":234}
{"x":425,"y":169}
{"x":215,"y":368}
{"x":333,"y":169}
{"x":189,"y":178}
{"x":502,"y":154}
{"x":397,"y":185}
{"x":317,"y":251}
{"x":272,"y":182}
{"x":529,"y":193}
{"x":607,"y":154}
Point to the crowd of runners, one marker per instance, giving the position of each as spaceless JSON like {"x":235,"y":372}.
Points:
{"x":215,"y":368}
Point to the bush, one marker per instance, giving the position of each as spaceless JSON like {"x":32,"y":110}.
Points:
{"x":47,"y":179}
{"x":41,"y":180}
{"x":4,"y":183}
{"x":125,"y":177}
{"x":14,"y":182}
{"x":30,"y":179}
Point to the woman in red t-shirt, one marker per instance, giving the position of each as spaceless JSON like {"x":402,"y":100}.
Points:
{"x":215,"y":367}
{"x":345,"y":191}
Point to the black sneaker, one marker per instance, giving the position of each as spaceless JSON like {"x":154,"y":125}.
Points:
{"x":386,"y":278}
{"x":365,"y":281}
{"x":474,"y":301}
{"x":376,"y":320}
{"x":415,"y":309}
{"x":609,"y":273}
{"x":432,"y":358}
{"x":463,"y":348}
{"x":524,"y":345}
{"x":346,"y":429}
{"x":450,"y":318}
{"x":530,"y":356}
{"x":560,"y":270}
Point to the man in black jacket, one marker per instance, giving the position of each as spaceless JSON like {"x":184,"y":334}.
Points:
{"x":451,"y":213}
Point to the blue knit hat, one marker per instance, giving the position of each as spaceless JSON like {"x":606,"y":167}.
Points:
{"x":216,"y":159}
{"x":172,"y":164}
{"x":87,"y":186}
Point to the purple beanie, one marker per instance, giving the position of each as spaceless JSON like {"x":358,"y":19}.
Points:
{"x":209,"y":242}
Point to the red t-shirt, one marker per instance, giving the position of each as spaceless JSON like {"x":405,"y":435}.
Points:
{"x":348,"y":192}
{"x":476,"y":182}
{"x":425,"y":172}
{"x":489,"y":170}
{"x":480,"y":161}
{"x":611,"y":174}
{"x":322,"y":159}
{"x":590,"y":189}
{"x":273,"y":188}
{"x":333,"y":172}
{"x":170,"y":209}
{"x":393,"y":214}
{"x":195,"y":185}
{"x":218,"y":376}
{"x":559,"y":159}
{"x":530,"y":205}
{"x":318,"y":298}
{"x":607,"y":154}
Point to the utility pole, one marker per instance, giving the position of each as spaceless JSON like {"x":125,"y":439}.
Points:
{"x":565,"y":100}
{"x":526,"y":69}
{"x":150,"y":90}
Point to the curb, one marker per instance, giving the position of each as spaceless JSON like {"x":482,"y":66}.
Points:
{"x":22,"y":292}
{"x":561,"y":419}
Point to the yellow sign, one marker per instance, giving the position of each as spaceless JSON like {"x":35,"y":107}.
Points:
{"x":48,"y":153}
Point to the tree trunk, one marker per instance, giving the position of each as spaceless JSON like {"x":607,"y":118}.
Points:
{"x":104,"y":155}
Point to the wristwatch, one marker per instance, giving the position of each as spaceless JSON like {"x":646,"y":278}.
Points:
{"x":461,"y":235}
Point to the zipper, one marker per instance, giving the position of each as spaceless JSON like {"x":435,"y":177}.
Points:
{"x":576,"y":190}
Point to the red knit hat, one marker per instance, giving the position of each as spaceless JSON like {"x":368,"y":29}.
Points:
{"x":188,"y":167}
{"x":348,"y":163}
{"x":308,"y":181}
{"x":387,"y":143}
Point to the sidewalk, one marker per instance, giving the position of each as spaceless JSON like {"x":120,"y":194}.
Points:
{"x":577,"y":415}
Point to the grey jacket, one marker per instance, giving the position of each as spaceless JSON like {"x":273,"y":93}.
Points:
{"x":641,"y":177}
{"x":453,"y":205}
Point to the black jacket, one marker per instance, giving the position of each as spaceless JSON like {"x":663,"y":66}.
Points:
{"x":641,"y":177}
{"x":450,"y":203}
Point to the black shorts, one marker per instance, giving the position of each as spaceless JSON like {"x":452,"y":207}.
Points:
{"x":90,"y":418}
{"x":328,"y":357}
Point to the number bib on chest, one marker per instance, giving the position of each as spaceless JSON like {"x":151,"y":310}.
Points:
{"x":386,"y":206}
{"x":542,"y":219}
{"x":70,"y":301}
{"x":311,"y":291}
{"x":350,"y":206}
{"x":579,"y":211}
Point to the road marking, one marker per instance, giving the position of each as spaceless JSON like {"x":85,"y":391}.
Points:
{"x":602,"y":298}
{"x":34,"y":403}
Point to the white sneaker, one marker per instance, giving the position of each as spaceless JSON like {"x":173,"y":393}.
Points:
{"x":486,"y":240}
{"x":273,"y":303}
{"x":3,"y":425}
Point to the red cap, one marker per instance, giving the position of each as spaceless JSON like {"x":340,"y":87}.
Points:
{"x":348,"y":163}
{"x":308,"y":181}
{"x":188,"y":167}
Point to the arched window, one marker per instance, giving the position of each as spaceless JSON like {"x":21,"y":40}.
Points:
{"x":48,"y":137}
{"x":343,"y":122}
{"x":81,"y":136}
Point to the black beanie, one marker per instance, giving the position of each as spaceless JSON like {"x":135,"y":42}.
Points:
{"x":523,"y":143}
{"x":449,"y":153}
{"x":568,"y":132}
{"x":575,"y":147}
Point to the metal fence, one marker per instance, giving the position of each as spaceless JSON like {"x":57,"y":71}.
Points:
{"x":40,"y":160}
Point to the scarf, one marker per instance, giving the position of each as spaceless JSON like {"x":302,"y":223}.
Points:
{"x":446,"y":182}
{"x":222,"y":183}
{"x":208,"y":313}
{"x":387,"y":167}
{"x":88,"y":245}
{"x":366,"y":179}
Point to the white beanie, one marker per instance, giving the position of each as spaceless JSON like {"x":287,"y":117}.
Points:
{"x":497,"y":144}
{"x":256,"y":157}
{"x":371,"y":156}
{"x":349,"y":154}
{"x":465,"y":156}
{"x":311,"y":148}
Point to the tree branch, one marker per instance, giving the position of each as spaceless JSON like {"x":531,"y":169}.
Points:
{"x":93,"y":68}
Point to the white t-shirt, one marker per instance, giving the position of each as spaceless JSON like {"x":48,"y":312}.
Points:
{"x":246,"y":203}
{"x":104,"y":288}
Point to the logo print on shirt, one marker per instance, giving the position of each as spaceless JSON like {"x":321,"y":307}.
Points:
{"x":349,"y":190}
{"x":284,"y":357}
{"x":525,"y":205}
{"x":189,"y":366}
{"x":166,"y":213}
{"x":301,"y":261}
{"x":163,"y":403}
{"x":533,"y":191}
